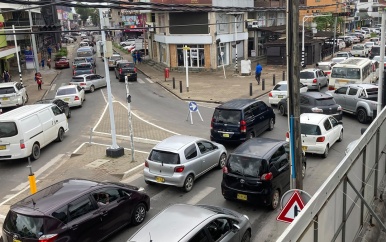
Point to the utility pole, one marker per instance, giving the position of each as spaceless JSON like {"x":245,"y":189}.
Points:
{"x":17,"y":55}
{"x":382,"y":63}
{"x":333,"y":42}
{"x":293,"y":72}
{"x":34,"y":49}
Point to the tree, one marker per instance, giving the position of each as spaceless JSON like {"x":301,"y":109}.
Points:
{"x":83,"y":12}
{"x":325,"y":23}
{"x":95,"y":16}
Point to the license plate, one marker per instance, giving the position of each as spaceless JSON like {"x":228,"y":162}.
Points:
{"x":66,"y":99}
{"x":128,"y":74}
{"x":160,"y":179}
{"x":3,"y":147}
{"x":304,"y":148}
{"x":280,"y":96}
{"x":16,"y":240}
{"x":242,"y":197}
{"x":356,"y":55}
{"x":5,"y":98}
{"x":225,"y":135}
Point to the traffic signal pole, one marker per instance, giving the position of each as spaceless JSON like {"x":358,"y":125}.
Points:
{"x":34,"y":49}
{"x":381,"y":64}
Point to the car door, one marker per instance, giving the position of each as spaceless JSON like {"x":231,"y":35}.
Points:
{"x":46,"y":118}
{"x":340,"y":96}
{"x":220,"y":229}
{"x":209,"y":155}
{"x":193,"y":160}
{"x":260,"y":111}
{"x":336,"y":128}
{"x":351,"y":99}
{"x":330,"y":136}
{"x":322,"y":77}
{"x":252,"y":129}
{"x":59,"y":118}
{"x":280,"y":161}
{"x":98,"y":80}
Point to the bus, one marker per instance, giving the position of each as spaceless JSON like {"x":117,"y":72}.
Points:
{"x":352,"y":70}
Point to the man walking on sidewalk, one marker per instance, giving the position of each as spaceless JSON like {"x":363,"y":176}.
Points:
{"x":258,"y":71}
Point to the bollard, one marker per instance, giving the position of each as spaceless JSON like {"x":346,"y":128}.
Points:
{"x":263,"y":85}
{"x":250,"y":89}
{"x":31,"y":178}
{"x":274,"y":80}
{"x":180,"y":86}
{"x":174,"y":83}
{"x":283,"y":75}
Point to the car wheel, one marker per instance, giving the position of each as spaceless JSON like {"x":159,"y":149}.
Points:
{"x":325,"y":154}
{"x":188,"y":184}
{"x":35,"y":154}
{"x":69,"y":113}
{"x":362,"y":115}
{"x":92,"y":89}
{"x":60,"y":137}
{"x":27,"y":98}
{"x":271,"y":124}
{"x":319,"y":87}
{"x":149,"y":182}
{"x":340,"y":136}
{"x":222,"y":161}
{"x":275,"y":199}
{"x":303,"y":170}
{"x":251,"y":135}
{"x":246,"y":236}
{"x":281,"y":110}
{"x":139,"y":214}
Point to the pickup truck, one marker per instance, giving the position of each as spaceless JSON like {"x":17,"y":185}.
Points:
{"x":112,"y":61}
{"x":360,"y":50}
{"x":125,"y":68}
{"x":358,"y":99}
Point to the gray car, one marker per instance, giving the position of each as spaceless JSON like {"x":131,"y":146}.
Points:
{"x":180,"y":159}
{"x":89,"y":82}
{"x":192,"y":223}
{"x":313,"y":78}
{"x":83,"y":68}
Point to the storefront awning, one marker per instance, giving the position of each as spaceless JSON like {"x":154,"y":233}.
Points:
{"x":8,"y":52}
{"x":19,"y":7}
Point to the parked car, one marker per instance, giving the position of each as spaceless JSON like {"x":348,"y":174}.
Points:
{"x":347,"y":40}
{"x":83,"y":68}
{"x":360,"y":50}
{"x":79,"y":60}
{"x":258,"y":171}
{"x":357,"y":99}
{"x":84,"y":44}
{"x":127,"y":42}
{"x":240,"y":119}
{"x":354,"y":39}
{"x":315,"y":102}
{"x":89,"y":82}
{"x":315,"y":79}
{"x":179,"y":160}
{"x":375,"y":40}
{"x":62,"y":62}
{"x":76,"y":210}
{"x":280,"y":91}
{"x":325,"y":66}
{"x":195,"y":223}
{"x":73,"y":95}
{"x":113,"y":59}
{"x":375,"y":51}
{"x":58,"y":102}
{"x":124,"y":69}
{"x":369,"y":45}
{"x":358,"y":35}
{"x":13,"y":94}
{"x":319,"y":132}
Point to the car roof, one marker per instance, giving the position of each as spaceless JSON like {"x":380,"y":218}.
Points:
{"x":173,"y":223}
{"x":7,"y":84}
{"x":316,"y":95}
{"x":362,"y":85}
{"x":312,"y":118}
{"x":22,"y":111}
{"x":258,"y":147}
{"x":176,"y":142}
{"x":325,"y":63}
{"x":309,"y":69}
{"x":67,"y":87}
{"x":238,"y":104}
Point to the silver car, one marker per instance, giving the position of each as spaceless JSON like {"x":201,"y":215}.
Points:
{"x":89,"y":82}
{"x":191,"y":223}
{"x":313,"y":78}
{"x":180,"y":159}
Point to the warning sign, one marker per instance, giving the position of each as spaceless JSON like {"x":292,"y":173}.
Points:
{"x":293,"y":207}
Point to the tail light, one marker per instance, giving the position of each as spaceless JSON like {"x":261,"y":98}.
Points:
{"x":270,"y":94}
{"x":22,"y":145}
{"x":120,"y":71}
{"x":317,"y":110}
{"x":179,"y":169}
{"x":211,"y":123}
{"x":76,"y":98}
{"x":339,"y":108}
{"x":320,"y":139}
{"x":331,"y":88}
{"x":314,"y":81}
{"x":287,"y":135}
{"x":135,"y":69}
{"x":82,"y":84}
{"x":146,"y":164}
{"x":225,"y":170}
{"x":266,"y":177}
{"x":73,"y":73}
{"x":243,"y":126}
{"x":48,"y":238}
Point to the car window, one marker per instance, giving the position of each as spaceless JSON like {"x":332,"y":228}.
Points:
{"x":352,"y":91}
{"x":56,"y":110}
{"x":246,"y":166}
{"x":19,"y":86}
{"x":83,"y":67}
{"x":325,"y":101}
{"x":205,"y":146}
{"x":27,"y":227}
{"x":280,"y":87}
{"x":341,"y":90}
{"x":106,"y":196}
{"x":309,"y":129}
{"x":306,"y":75}
{"x":278,"y":154}
{"x":79,"y":88}
{"x":164,"y":157}
{"x":262,"y":107}
{"x":77,"y":79}
{"x":226,"y":116}
{"x":61,"y":214}
{"x":7,"y":90}
{"x":8,"y":129}
{"x":248,"y":113}
{"x":218,"y":228}
{"x":304,"y":100}
{"x":66,"y":91}
{"x":327,"y":124}
{"x":80,"y":207}
{"x":200,"y":237}
{"x":333,"y":121}
{"x":190,"y":152}
{"x":255,"y":109}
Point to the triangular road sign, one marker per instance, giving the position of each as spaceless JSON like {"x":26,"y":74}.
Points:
{"x":291,"y":209}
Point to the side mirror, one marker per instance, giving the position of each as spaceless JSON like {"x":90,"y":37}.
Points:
{"x":235,"y":227}
{"x":273,"y":170}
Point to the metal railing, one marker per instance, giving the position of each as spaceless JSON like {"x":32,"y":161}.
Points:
{"x":342,"y":206}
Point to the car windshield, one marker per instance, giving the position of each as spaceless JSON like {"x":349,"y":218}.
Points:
{"x":114,"y":57}
{"x":83,"y":67}
{"x":164,"y":157}
{"x":84,"y":53}
{"x":343,"y":72}
{"x":280,"y":87}
{"x":77,"y":79}
{"x":25,"y":226}
{"x":245,"y":166}
{"x":358,"y":47}
{"x":66,"y":91}
{"x":324,"y":67}
{"x":8,"y":129}
{"x":310,"y":129}
{"x":127,"y":65}
{"x":325,"y":101}
{"x":7,"y":90}
{"x":227,"y":116}
{"x":341,"y":55}
{"x":306,"y":75}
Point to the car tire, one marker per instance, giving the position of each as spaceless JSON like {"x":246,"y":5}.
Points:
{"x":149,"y":182}
{"x":222,"y":161}
{"x":271,"y":124}
{"x":362,"y":115}
{"x":246,"y":236}
{"x":325,"y":154}
{"x":69,"y":114}
{"x":275,"y":199}
{"x":304,"y":168}
{"x":251,"y":135}
{"x":281,"y":109}
{"x":60,"y":137}
{"x":27,"y":98}
{"x":188,"y":183}
{"x":92,"y":88}
{"x":35,"y":154}
{"x":340,"y":136}
{"x":139,"y":214}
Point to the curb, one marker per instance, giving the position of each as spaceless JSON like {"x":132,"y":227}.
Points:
{"x":132,"y":171}
{"x":127,"y":138}
{"x":53,"y":80}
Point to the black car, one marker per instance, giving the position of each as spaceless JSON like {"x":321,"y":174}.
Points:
{"x":240,"y":119}
{"x":314,"y":102}
{"x":60,"y":103}
{"x":258,"y":171}
{"x":75,"y":210}
{"x":125,"y":68}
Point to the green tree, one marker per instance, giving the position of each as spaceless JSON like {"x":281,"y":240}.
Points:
{"x":84,"y":13}
{"x":326,"y":23}
{"x":95,"y":16}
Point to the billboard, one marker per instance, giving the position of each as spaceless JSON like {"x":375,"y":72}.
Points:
{"x":200,"y":2}
{"x":29,"y":58}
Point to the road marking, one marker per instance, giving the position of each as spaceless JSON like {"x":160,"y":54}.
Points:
{"x":200,"y":195}
{"x":21,"y":186}
{"x":149,"y":80}
{"x":165,"y":195}
{"x":132,"y":178}
{"x":15,"y":195}
{"x":139,"y":80}
{"x":101,"y":117}
{"x":53,"y":87}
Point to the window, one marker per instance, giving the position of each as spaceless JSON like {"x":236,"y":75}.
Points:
{"x":8,"y":129}
{"x":262,"y":107}
{"x":80,"y":207}
{"x":106,"y":196}
{"x":227,"y":116}
{"x":280,"y":87}
{"x":205,"y":147}
{"x":218,"y":228}
{"x":56,"y":110}
{"x":327,"y":125}
{"x":310,"y":129}
{"x":341,"y":90}
{"x":164,"y":157}
{"x":7,"y":90}
{"x":278,"y":154}
{"x":325,"y":101}
{"x":352,"y":91}
{"x":200,"y":237}
{"x":61,"y":214}
{"x":19,"y":86}
{"x":190,"y":152}
{"x":27,"y":227}
{"x":66,"y":91}
{"x":304,"y":100}
{"x":79,"y":88}
{"x":333,"y":121}
{"x":246,"y":166}
{"x":307,"y":75}
{"x":248,"y":113}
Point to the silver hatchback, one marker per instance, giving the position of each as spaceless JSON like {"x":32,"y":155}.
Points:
{"x":180,"y":159}
{"x":314,"y":79}
{"x":89,"y":82}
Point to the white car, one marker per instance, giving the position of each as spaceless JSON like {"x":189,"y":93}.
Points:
{"x":319,"y":132}
{"x":369,"y":44}
{"x":71,"y":94}
{"x":12,"y":94}
{"x":313,"y":78}
{"x":127,"y":42}
{"x":280,"y":91}
{"x":89,"y":82}
{"x":129,"y":47}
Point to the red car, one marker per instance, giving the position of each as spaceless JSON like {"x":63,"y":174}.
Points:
{"x":62,"y":62}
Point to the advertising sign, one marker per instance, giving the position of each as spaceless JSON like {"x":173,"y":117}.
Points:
{"x":29,"y":59}
{"x":201,"y":2}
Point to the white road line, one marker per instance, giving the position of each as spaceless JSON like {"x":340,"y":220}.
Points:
{"x":21,"y":186}
{"x":53,"y":87}
{"x":148,"y":79}
{"x":101,"y":117}
{"x":139,"y":80}
{"x":164,"y":195}
{"x":125,"y":137}
{"x":132,"y":178}
{"x":15,"y":195}
{"x":104,"y":97}
{"x":200,"y":195}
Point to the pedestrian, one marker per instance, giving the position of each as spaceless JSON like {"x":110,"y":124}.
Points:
{"x":258,"y":71}
{"x":42,"y":62}
{"x":6,"y":76}
{"x":139,"y":58}
{"x":39,"y":80}
{"x":49,"y":62}
{"x":49,"y":51}
{"x":134,"y":55}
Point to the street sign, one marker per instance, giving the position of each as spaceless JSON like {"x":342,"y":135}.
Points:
{"x":292,"y":208}
{"x":193,"y":106}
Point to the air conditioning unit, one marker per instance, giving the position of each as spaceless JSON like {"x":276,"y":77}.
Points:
{"x":252,"y":24}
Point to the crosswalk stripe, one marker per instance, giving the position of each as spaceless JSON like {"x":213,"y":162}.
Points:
{"x":149,"y":80}
{"x":140,"y":81}
{"x":53,"y":87}
{"x":200,"y":195}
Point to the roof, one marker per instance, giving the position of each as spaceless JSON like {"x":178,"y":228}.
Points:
{"x":22,"y":111}
{"x":175,"y":143}
{"x":67,"y":86}
{"x":173,"y":223}
{"x":325,"y":63}
{"x":258,"y":147}
{"x":363,"y":85}
{"x":236,"y":104}
{"x":312,"y":118}
{"x":316,"y":95}
{"x":7,"y":84}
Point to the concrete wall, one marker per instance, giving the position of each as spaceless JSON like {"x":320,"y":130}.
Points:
{"x":233,"y":3}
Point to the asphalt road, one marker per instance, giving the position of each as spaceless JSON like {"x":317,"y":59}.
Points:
{"x":156,"y":105}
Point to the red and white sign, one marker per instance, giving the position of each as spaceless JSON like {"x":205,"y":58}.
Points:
{"x":293,"y":207}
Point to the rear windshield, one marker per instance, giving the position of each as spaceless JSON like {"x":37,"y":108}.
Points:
{"x":7,"y":129}
{"x":375,"y":50}
{"x":227,"y":116}
{"x":245,"y":166}
{"x":358,"y":47}
{"x":280,"y":87}
{"x":25,"y":226}
{"x":306,"y":75}
{"x":77,"y":79}
{"x":341,"y":55}
{"x":115,"y":57}
{"x":325,"y":102}
{"x":83,"y":67}
{"x":84,"y":53}
{"x":164,"y":157}
{"x":7,"y":90}
{"x":80,"y":60}
{"x":127,"y":65}
{"x":66,"y":91}
{"x":310,"y":129}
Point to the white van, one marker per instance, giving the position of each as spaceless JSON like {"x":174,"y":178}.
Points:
{"x":25,"y":130}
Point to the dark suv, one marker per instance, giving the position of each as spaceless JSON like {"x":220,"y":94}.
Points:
{"x":125,"y":68}
{"x":241,"y":119}
{"x":258,"y":171}
{"x":75,"y":210}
